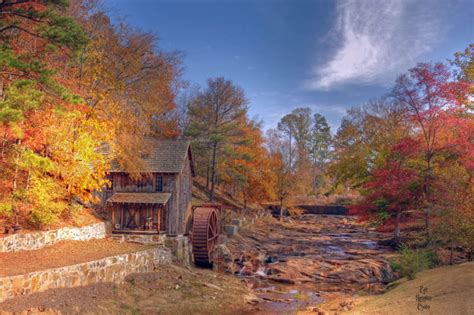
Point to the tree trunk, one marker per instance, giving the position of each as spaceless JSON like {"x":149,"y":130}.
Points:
{"x":281,"y":209}
{"x":428,"y":225}
{"x":451,"y":249}
{"x":245,"y":201}
{"x":427,"y":192}
{"x":397,"y":225}
{"x":208,"y":173}
{"x":213,"y":171}
{"x":290,"y":154}
{"x":14,"y":184}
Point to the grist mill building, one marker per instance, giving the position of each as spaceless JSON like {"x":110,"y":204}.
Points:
{"x":159,"y":199}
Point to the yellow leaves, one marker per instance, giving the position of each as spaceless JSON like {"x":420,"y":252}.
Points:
{"x":73,"y":143}
{"x":46,"y":196}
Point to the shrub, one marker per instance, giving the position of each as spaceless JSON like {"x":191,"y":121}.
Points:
{"x":44,"y":194}
{"x":5,"y":209}
{"x":410,"y":262}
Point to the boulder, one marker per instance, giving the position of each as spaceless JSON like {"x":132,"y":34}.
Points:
{"x":223,"y":261}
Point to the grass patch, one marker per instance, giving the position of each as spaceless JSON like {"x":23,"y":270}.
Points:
{"x":410,"y":262}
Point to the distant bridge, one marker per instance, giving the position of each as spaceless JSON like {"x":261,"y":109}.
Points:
{"x":331,"y":209}
{"x":309,"y":209}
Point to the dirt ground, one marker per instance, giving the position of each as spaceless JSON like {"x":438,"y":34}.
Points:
{"x":171,"y":290}
{"x":64,"y":253}
{"x":444,"y":290}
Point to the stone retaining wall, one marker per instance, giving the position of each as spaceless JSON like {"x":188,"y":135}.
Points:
{"x":180,"y":247}
{"x":31,"y":241}
{"x":110,"y":269}
{"x":156,"y":239}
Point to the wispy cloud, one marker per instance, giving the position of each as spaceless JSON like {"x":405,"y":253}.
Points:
{"x":378,"y":40}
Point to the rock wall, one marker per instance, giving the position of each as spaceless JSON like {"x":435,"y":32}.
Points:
{"x":110,"y":269}
{"x":157,"y":239}
{"x":31,"y":241}
{"x":181,"y":249}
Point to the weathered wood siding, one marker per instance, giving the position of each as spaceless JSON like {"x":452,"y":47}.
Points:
{"x":172,"y":204}
{"x":122,"y":217}
{"x":185,"y":196}
{"x":179,"y":205}
{"x":121,"y":182}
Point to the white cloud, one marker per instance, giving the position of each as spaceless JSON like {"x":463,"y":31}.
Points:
{"x":378,"y":40}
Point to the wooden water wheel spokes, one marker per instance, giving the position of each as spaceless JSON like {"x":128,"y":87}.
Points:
{"x":206,"y":229}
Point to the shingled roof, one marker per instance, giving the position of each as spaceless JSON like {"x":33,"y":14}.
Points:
{"x":162,"y":156}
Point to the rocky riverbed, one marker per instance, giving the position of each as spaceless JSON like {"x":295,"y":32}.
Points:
{"x":304,"y":260}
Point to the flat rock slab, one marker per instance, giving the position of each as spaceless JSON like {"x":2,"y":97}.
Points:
{"x":333,"y":252}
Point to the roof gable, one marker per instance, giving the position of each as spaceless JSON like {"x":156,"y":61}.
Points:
{"x":162,"y":156}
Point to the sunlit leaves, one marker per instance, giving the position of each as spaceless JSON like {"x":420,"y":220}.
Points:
{"x":20,"y":97}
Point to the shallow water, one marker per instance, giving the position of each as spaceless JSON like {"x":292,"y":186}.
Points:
{"x":280,"y":298}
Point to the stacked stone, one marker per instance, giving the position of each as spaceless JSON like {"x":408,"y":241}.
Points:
{"x":32,"y":241}
{"x":109,"y":269}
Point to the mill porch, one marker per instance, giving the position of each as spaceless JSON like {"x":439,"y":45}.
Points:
{"x":139,"y":213}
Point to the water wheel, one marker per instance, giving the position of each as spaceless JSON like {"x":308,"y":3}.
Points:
{"x":206,"y":230}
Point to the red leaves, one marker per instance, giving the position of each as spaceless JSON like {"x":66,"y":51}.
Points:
{"x":407,"y":147}
{"x":428,"y":89}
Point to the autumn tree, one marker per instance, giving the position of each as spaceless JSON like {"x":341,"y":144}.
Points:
{"x":296,"y":127}
{"x":427,"y":92}
{"x":249,"y":172}
{"x":417,"y":156}
{"x":128,"y":80}
{"x":215,"y":120}
{"x":364,"y":139}
{"x":282,"y":183}
{"x":320,"y":148}
{"x":307,"y":140}
{"x":395,"y":187}
{"x":49,"y":139}
{"x":70,"y":82}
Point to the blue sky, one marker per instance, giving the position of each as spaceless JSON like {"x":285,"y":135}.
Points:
{"x":326,"y":55}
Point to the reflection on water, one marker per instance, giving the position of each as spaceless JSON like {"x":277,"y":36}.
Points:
{"x":280,"y":298}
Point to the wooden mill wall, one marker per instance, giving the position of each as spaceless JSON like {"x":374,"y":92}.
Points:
{"x":123,"y":183}
{"x":179,"y":185}
{"x":185,"y":196}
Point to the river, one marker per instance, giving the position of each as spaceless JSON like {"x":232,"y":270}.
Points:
{"x":302,"y":261}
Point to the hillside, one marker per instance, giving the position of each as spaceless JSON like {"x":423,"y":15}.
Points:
{"x":444,"y":290}
{"x":201,"y":195}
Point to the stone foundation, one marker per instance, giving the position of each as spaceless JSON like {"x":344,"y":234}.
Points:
{"x":110,"y":269}
{"x":32,"y":241}
{"x":181,"y":249}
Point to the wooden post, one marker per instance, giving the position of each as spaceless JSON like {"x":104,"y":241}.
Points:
{"x":122,"y":214}
{"x":113,"y":217}
{"x":164,"y":216}
{"x":158,"y":217}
